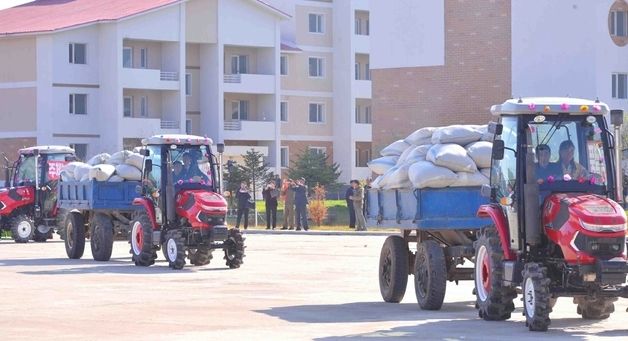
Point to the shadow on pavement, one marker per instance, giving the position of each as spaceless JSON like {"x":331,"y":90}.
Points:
{"x":366,"y":312}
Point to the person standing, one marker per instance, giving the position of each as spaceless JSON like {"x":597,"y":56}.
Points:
{"x":300,"y":203}
{"x":287,"y":193}
{"x":243,"y":196}
{"x":348,"y":194}
{"x":358,"y":201}
{"x":270,"y":194}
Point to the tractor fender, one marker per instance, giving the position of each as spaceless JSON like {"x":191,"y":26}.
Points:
{"x":150,"y":210}
{"x":496,"y":214}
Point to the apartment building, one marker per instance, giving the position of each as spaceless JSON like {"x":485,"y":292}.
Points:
{"x":99,"y":76}
{"x":325,"y":83}
{"x":446,"y":62}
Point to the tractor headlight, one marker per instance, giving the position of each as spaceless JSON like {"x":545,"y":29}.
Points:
{"x":603,"y":228}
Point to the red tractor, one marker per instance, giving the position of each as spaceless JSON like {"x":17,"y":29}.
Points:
{"x":28,"y":203}
{"x":183,"y":211}
{"x":557,"y":228}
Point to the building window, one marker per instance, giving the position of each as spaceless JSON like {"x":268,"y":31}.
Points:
{"x":358,"y":26}
{"x":188,"y":84}
{"x":316,"y":113}
{"x":283,"y":111}
{"x":362,"y":157}
{"x":318,"y":150}
{"x":358,"y":119}
{"x":367,"y":71}
{"x":316,"y":67}
{"x":78,"y":104}
{"x":77,"y":53}
{"x":128,"y":106}
{"x":144,"y":58}
{"x":188,"y":127}
{"x":284,"y":155}
{"x":357,"y":71}
{"x":367,"y":115}
{"x":316,"y":23}
{"x":240,"y":110}
{"x":80,"y":150}
{"x":619,"y":85}
{"x":239,"y":64}
{"x":143,"y":106}
{"x":367,"y":31}
{"x":283,"y":65}
{"x":127,"y":57}
{"x":619,"y":23}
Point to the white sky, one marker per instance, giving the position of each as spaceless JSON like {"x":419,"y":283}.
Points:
{"x":10,"y":3}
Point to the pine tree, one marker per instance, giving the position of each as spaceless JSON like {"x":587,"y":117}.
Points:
{"x":254,"y":170}
{"x":315,"y":168}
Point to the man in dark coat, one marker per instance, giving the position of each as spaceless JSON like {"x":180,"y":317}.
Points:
{"x":243,"y":197}
{"x":348,"y":194}
{"x":300,"y":204}
{"x":270,"y":194}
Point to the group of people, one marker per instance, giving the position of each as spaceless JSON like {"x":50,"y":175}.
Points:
{"x":355,"y":202}
{"x":294,"y":195}
{"x":566,"y":164}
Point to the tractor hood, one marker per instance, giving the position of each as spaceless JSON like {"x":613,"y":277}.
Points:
{"x":201,"y":208}
{"x":592,"y":210}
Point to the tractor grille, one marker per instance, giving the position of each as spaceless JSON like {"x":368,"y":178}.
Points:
{"x":212,"y":219}
{"x":604,"y":248}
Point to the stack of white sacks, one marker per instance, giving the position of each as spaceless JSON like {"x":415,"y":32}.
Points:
{"x":452,"y":156}
{"x":120,"y":166}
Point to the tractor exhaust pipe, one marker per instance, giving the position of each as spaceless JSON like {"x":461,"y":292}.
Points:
{"x":617,"y":119}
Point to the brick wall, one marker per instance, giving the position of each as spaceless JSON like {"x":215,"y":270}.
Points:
{"x":10,"y":146}
{"x":476,"y":75}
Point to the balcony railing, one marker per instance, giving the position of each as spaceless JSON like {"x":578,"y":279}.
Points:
{"x":168,"y":76}
{"x":233,"y":125}
{"x":169,"y":124}
{"x":233,"y":79}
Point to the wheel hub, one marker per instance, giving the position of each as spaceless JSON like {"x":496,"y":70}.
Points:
{"x":137,"y":236}
{"x":529,"y":298}
{"x":172,"y":249}
{"x":386,"y":268}
{"x":482,"y":274}
{"x":68,"y":235}
{"x":24,"y":229}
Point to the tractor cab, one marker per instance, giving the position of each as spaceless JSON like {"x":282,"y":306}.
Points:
{"x":28,"y":204}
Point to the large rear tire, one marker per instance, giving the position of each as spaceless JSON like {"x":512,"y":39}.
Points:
{"x":42,"y":233}
{"x":494,"y":301}
{"x":393,"y":269}
{"x":174,"y":249}
{"x":430,"y":275}
{"x":142,"y":248}
{"x":234,"y":249}
{"x":595,"y":309}
{"x":22,"y":228}
{"x":101,"y":241}
{"x":536,"y":297}
{"x":75,"y":235}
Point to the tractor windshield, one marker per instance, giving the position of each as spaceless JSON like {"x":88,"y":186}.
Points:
{"x":191,"y":166}
{"x":569,"y":152}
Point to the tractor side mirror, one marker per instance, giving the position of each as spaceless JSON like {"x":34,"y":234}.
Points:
{"x":617,"y":117}
{"x":495,"y":128}
{"x":148,"y":166}
{"x":144,"y":152}
{"x":498,"y":149}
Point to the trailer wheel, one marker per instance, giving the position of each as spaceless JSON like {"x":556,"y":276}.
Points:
{"x":75,"y":236}
{"x":494,"y":301}
{"x":22,"y":228}
{"x":393,"y":269}
{"x":142,"y":249}
{"x":595,"y":309}
{"x":200,"y":256}
{"x":174,"y":248}
{"x":430,"y":275}
{"x":536,"y":297}
{"x":101,"y":241}
{"x":234,"y":249}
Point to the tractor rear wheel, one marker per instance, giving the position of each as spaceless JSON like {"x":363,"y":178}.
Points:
{"x":494,"y":301}
{"x":174,"y":249}
{"x":142,"y":248}
{"x":200,"y":256}
{"x":101,"y":240}
{"x":42,"y":233}
{"x":75,"y":235}
{"x":234,"y":249}
{"x":394,"y":269}
{"x":595,"y":309}
{"x":430,"y":275}
{"x":22,"y":228}
{"x":536,"y":297}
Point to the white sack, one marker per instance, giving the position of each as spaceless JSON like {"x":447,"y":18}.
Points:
{"x":395,"y":148}
{"x":386,"y":176}
{"x":129,"y":172}
{"x":138,"y":149}
{"x":101,"y":172}
{"x":81,"y":171}
{"x":404,"y":155}
{"x":469,"y":179}
{"x":119,"y":158}
{"x":381,"y":165}
{"x":66,"y":176}
{"x":426,"y":174}
{"x":418,"y":153}
{"x":399,"y":178}
{"x":420,"y":136}
{"x":376,"y":183}
{"x":70,"y":167}
{"x":486,"y":172}
{"x":84,"y":177}
{"x":460,"y":134}
{"x":99,"y":159}
{"x":480,"y":152}
{"x":136,"y":160}
{"x":116,"y":178}
{"x":451,"y":156}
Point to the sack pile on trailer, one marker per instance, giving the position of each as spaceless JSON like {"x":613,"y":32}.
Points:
{"x":452,"y":156}
{"x":120,"y":166}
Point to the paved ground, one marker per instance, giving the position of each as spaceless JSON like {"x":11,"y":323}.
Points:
{"x":291,"y":287}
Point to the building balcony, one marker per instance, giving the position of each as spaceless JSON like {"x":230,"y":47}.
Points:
{"x":362,"y":43}
{"x":149,"y":79}
{"x":140,"y":127}
{"x":362,"y":88}
{"x":249,"y":130}
{"x":249,"y":83}
{"x":362,"y":5}
{"x":363,"y":132}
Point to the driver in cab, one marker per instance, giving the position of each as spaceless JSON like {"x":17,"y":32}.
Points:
{"x":545,"y":168}
{"x":191,"y":172}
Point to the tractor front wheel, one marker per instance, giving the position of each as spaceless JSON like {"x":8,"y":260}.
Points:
{"x":22,"y":228}
{"x":536,"y":297}
{"x":142,"y":248}
{"x":174,"y":249}
{"x":595,"y":309}
{"x":234,"y":249}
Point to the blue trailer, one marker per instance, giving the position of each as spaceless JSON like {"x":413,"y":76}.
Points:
{"x":98,"y":210}
{"x":443,"y":224}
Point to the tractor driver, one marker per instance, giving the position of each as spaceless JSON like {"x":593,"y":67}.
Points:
{"x":545,"y":168}
{"x":191,"y":172}
{"x":567,"y":163}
